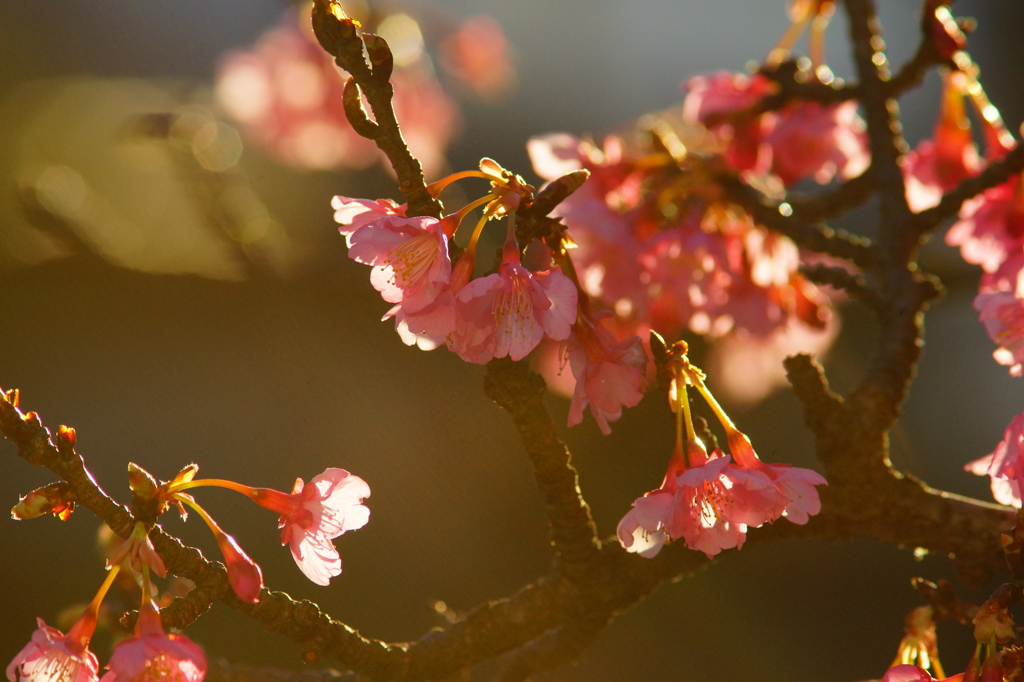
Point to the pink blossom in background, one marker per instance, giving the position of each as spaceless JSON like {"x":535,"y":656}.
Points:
{"x":409,"y":257}
{"x":477,"y":53}
{"x":1004,"y":465}
{"x":712,"y":99}
{"x":744,"y":368}
{"x":1002,"y":313}
{"x":818,"y":141}
{"x":991,"y":225}
{"x":152,"y":654}
{"x":509,"y":312}
{"x":287,"y":95}
{"x":314,"y":514}
{"x":53,"y":657}
{"x":709,"y":269}
{"x":609,"y":375}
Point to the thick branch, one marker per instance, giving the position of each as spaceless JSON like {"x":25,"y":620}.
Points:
{"x":810,"y":235}
{"x":520,"y":391}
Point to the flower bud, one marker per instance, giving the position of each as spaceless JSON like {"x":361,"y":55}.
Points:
{"x":380,"y":56}
{"x":243,"y":573}
{"x":143,"y":484}
{"x":57,"y":499}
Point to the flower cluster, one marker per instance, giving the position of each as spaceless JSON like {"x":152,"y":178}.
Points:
{"x":659,"y":246}
{"x":503,"y":314}
{"x":711,"y":499}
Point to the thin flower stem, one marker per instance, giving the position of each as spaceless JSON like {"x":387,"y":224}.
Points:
{"x":435,"y":188}
{"x":215,"y":483}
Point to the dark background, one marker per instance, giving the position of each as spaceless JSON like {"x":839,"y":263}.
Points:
{"x":164,"y":352}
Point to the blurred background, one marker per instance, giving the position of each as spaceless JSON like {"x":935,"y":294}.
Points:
{"x":173,"y":286}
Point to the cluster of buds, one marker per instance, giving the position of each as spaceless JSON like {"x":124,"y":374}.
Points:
{"x":503,"y":314}
{"x":710,"y":499}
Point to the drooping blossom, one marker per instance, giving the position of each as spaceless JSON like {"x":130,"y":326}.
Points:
{"x":138,"y":548}
{"x":409,"y":257}
{"x":314,"y":514}
{"x":937,"y":165}
{"x":991,"y":225}
{"x":1004,"y":465}
{"x":52,"y":656}
{"x":509,"y":312}
{"x":152,"y":654}
{"x":644,"y":528}
{"x":912,"y":673}
{"x":715,"y":502}
{"x":286,"y":92}
{"x":795,"y":496}
{"x":609,"y":375}
{"x":1002,"y":313}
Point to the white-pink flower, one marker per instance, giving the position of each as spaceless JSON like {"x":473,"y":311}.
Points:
{"x":53,"y":657}
{"x":716,"y":501}
{"x":609,"y":375}
{"x":409,"y":257}
{"x":352,"y":214}
{"x":1004,"y":464}
{"x":1002,"y":313}
{"x":314,"y":514}
{"x":643,"y":529}
{"x":152,"y":654}
{"x":810,"y":139}
{"x":509,"y":312}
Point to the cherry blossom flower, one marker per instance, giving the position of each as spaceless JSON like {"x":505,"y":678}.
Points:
{"x":935,"y":166}
{"x":352,"y":214}
{"x":52,"y":656}
{"x":1002,"y":313}
{"x":152,"y":654}
{"x":609,"y":375}
{"x":912,"y":673}
{"x":718,"y":101}
{"x":819,"y":141}
{"x":715,"y":502}
{"x":409,"y":257}
{"x":314,"y":514}
{"x":643,"y":530}
{"x":794,"y":496}
{"x":139,"y":549}
{"x":991,"y":225}
{"x":509,"y":312}
{"x":1004,"y":464}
